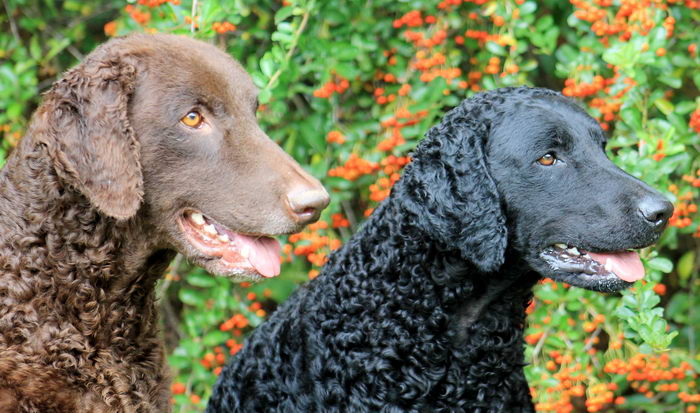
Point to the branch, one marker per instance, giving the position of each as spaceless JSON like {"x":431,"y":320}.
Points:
{"x":291,"y":50}
{"x":13,"y":25}
{"x":194,"y":14}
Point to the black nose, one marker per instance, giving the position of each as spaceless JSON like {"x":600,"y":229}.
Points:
{"x":656,"y":210}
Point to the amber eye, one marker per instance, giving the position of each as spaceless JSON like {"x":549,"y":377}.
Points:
{"x":547,"y":159}
{"x":193,"y":119}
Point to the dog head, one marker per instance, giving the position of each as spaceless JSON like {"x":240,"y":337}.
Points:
{"x":165,"y":127}
{"x":527,"y":168}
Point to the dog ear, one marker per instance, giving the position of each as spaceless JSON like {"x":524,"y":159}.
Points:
{"x":453,"y":196}
{"x":93,"y":145}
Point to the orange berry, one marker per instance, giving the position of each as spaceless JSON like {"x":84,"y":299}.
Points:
{"x":111,"y":28}
{"x":178,"y":388}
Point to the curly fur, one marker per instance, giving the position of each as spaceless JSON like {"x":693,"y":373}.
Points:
{"x":423,"y":309}
{"x":89,"y":218}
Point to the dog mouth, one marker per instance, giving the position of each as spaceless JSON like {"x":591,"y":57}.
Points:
{"x":579,"y":267}
{"x":236,"y":253}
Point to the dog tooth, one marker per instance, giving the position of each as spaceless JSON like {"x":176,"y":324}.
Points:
{"x":245,"y":251}
{"x":608,"y":265}
{"x":560,"y":246}
{"x":573,"y":251}
{"x":209,"y":228}
{"x":198,"y":218}
{"x":224,"y":238}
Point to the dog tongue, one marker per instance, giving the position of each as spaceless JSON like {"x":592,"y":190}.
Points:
{"x":263,"y":254}
{"x":626,"y":265}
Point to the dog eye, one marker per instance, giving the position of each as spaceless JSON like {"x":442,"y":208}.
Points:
{"x":193,"y":119}
{"x":547,"y":160}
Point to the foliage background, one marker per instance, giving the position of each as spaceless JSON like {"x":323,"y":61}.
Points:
{"x":348,"y":87}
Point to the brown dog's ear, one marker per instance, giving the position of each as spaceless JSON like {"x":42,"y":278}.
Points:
{"x":94,"y":147}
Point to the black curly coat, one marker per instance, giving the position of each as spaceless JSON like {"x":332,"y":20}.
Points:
{"x":423,"y":309}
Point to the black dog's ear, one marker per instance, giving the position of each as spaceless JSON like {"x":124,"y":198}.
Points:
{"x":87,"y":131}
{"x":451,"y":191}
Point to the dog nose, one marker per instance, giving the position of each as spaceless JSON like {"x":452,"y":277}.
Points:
{"x":656,"y":210}
{"x":306,"y":205}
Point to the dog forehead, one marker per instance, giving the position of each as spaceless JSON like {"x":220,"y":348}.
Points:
{"x":223,"y":79}
{"x":556,"y":114}
{"x":200,"y":67}
{"x":215,"y":73}
{"x":539,"y":124}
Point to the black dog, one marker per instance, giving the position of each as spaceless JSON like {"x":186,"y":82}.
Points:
{"x":423,"y":309}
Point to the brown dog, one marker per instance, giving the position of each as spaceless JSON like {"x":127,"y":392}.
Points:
{"x":148,"y":147}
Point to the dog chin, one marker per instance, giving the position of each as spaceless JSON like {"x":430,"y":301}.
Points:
{"x":600,"y":283}
{"x":237,"y":274}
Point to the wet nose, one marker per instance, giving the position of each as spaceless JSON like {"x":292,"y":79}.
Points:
{"x":656,"y":210}
{"x":306,"y":204}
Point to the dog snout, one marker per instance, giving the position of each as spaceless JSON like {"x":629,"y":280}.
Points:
{"x":306,"y":204}
{"x":656,"y":210}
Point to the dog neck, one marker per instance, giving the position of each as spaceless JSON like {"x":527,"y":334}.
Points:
{"x":392,"y":293}
{"x":77,"y":291}
{"x":73,"y":258}
{"x":391,"y":249}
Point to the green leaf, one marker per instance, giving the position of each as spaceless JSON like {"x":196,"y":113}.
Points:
{"x":662,"y":264}
{"x":192,"y":348}
{"x":201,"y":280}
{"x":671,"y":80}
{"x":34,"y":48}
{"x":685,"y":107}
{"x":344,"y":51}
{"x":528,"y":7}
{"x":696,"y":79}
{"x":686,"y":264}
{"x":264,"y":96}
{"x":624,"y":312}
{"x":632,"y":117}
{"x":215,"y":338}
{"x":57,"y":46}
{"x":259,"y":80}
{"x":495,"y":48}
{"x":283,"y":14}
{"x":281,"y":37}
{"x":179,"y":362}
{"x":547,"y":294}
{"x":664,"y":106}
{"x":267,"y":64}
{"x":192,"y":297}
{"x":624,"y":55}
{"x":677,"y":308}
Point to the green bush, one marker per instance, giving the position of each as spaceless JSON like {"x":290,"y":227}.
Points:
{"x":348,"y":88}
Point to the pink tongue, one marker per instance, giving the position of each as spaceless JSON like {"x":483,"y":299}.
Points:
{"x":626,"y":265}
{"x":264,"y":254}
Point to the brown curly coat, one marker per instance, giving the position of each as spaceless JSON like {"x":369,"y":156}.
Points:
{"x":90,"y":201}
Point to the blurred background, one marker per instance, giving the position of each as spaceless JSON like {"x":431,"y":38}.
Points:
{"x":348,"y":88}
